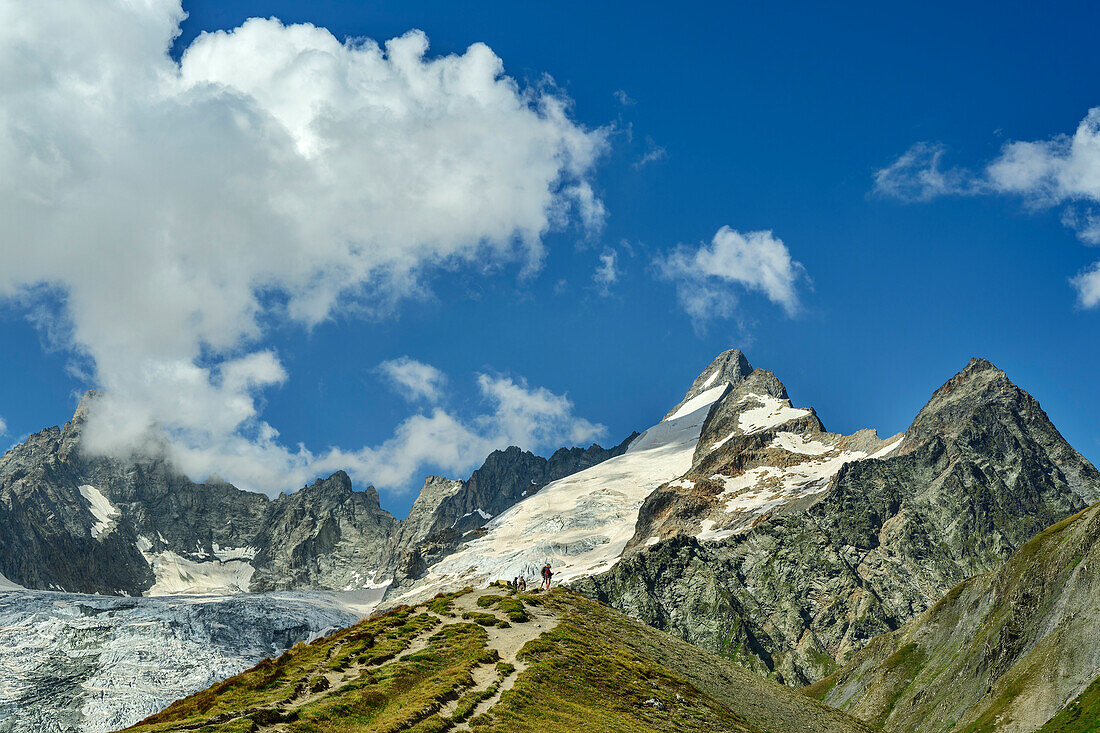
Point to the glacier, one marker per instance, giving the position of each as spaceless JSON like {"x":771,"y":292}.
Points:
{"x":77,"y":663}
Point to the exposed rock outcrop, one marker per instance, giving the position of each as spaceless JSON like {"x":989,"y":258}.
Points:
{"x":324,"y":536}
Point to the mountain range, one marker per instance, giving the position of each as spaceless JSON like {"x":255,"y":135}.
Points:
{"x":738,"y":523}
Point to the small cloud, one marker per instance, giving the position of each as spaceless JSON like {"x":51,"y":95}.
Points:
{"x":607,"y":273}
{"x":707,"y":277}
{"x":1087,"y":284}
{"x":917,"y":175}
{"x":624,"y":99}
{"x":3,"y":427}
{"x":414,"y":380}
{"x":654,"y":152}
{"x":560,"y":286}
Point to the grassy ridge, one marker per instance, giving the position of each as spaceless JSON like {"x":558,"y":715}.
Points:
{"x":495,"y":662}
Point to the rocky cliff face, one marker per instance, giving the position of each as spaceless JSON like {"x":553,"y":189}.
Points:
{"x":1005,"y":650}
{"x":73,"y":522}
{"x":324,"y":536}
{"x":788,"y":548}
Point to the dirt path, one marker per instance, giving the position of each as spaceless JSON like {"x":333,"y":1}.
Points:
{"x":487,"y":680}
{"x":507,"y":642}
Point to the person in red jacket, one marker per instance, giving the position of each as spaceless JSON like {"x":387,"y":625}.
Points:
{"x":547,"y":574}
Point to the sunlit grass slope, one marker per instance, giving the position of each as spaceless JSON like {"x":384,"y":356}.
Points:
{"x":496,"y":661}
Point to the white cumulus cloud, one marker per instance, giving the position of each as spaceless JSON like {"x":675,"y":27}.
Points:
{"x":708,"y":277}
{"x":274,"y":173}
{"x":1063,"y":170}
{"x":415,"y":380}
{"x":532,"y":418}
{"x":3,"y":427}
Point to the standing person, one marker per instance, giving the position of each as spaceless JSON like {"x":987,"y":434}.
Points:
{"x":523,"y":584}
{"x":547,"y":574}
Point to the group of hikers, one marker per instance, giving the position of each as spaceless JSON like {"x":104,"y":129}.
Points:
{"x":520,"y":583}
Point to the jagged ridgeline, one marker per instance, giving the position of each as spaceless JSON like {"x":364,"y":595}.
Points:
{"x":495,"y":660}
{"x":787,"y":548}
{"x":137,"y":526}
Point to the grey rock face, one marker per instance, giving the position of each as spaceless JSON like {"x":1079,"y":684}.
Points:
{"x":48,"y":532}
{"x":1004,"y":650}
{"x":96,"y":663}
{"x":324,"y":536}
{"x":809,"y":582}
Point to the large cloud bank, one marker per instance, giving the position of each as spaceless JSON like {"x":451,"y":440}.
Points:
{"x":1061,"y":171}
{"x":273,"y":174}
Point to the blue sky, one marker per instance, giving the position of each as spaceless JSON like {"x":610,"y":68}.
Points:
{"x":760,"y":117}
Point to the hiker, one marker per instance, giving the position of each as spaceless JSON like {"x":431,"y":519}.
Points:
{"x":522,"y":584}
{"x":547,"y":574}
{"x":515,"y":583}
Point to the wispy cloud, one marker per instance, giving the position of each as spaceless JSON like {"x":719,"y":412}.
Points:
{"x":1063,"y":170}
{"x":413,"y":379}
{"x":653,"y":153}
{"x":533,"y":418}
{"x":708,"y":277}
{"x":918,"y":175}
{"x":607,"y":273}
{"x":623,"y":98}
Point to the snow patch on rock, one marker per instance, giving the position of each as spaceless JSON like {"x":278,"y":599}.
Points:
{"x":771,"y":412}
{"x":6,"y":585}
{"x":105,"y":513}
{"x":703,"y":399}
{"x":709,"y":534}
{"x":795,"y":443}
{"x":888,"y":449}
{"x":177,"y":575}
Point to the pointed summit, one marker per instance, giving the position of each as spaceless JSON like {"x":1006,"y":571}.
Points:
{"x":979,"y":385}
{"x":728,"y":367}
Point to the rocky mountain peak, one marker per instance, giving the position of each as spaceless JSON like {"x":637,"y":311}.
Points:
{"x":728,"y":367}
{"x":980,"y":386}
{"x":85,"y":405}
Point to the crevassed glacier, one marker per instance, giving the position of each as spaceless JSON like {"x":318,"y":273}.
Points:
{"x":89,"y":664}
